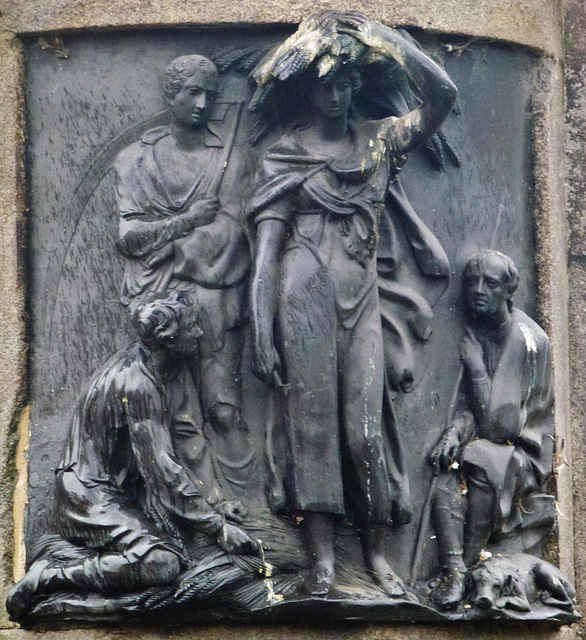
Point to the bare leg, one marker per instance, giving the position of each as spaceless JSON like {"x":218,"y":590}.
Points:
{"x":319,"y":528}
{"x":222,"y":403}
{"x":373,"y":538}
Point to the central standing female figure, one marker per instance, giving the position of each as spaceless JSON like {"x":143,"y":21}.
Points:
{"x":316,"y":318}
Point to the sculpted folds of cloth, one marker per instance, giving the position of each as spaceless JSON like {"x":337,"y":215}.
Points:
{"x":248,"y":454}
{"x":181,"y":229}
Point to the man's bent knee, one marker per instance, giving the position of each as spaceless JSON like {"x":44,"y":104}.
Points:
{"x":225,"y":418}
{"x":158,"y":567}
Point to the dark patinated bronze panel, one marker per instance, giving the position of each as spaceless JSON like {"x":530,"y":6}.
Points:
{"x":279,"y":365}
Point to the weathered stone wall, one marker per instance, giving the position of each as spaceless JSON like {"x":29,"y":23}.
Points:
{"x":532,"y":23}
{"x":537,"y":24}
{"x":575,"y":143}
{"x":12,"y":288}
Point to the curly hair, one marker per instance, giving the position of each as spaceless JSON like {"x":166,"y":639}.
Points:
{"x":510,"y":271}
{"x":157,"y":319}
{"x":182,"y":68}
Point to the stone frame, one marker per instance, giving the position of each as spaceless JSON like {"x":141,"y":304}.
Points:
{"x":534,"y":24}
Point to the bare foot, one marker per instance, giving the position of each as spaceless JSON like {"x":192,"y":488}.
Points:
{"x":387,"y":579}
{"x":319,"y":581}
{"x":382,"y":574}
{"x":390,"y":583}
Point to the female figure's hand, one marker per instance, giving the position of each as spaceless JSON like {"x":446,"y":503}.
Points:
{"x":366,"y":31}
{"x":266,"y":364}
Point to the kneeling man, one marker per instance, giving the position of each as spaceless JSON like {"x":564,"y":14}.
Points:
{"x":120,"y":486}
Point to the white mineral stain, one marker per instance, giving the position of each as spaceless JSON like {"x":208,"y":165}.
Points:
{"x":529,"y":337}
{"x":266,"y":569}
{"x":272,"y":596}
{"x":367,"y":382}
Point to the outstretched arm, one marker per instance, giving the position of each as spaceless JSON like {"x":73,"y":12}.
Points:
{"x":438,"y":91}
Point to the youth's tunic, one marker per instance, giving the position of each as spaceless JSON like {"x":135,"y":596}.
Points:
{"x":210,"y":263}
{"x":331,"y":447}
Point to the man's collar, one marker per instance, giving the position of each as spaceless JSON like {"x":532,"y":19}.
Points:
{"x":495,"y":333}
{"x":212,"y":136}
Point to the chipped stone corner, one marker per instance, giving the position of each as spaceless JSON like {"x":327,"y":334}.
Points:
{"x":20,"y":496}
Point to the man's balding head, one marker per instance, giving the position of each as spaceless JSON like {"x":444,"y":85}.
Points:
{"x":490,"y":279}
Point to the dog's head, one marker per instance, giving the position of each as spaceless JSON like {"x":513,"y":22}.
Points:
{"x":496,"y":584}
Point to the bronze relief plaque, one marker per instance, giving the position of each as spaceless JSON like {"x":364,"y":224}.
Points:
{"x":283,"y":360}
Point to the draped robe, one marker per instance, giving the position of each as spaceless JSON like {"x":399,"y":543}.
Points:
{"x":344,"y":323}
